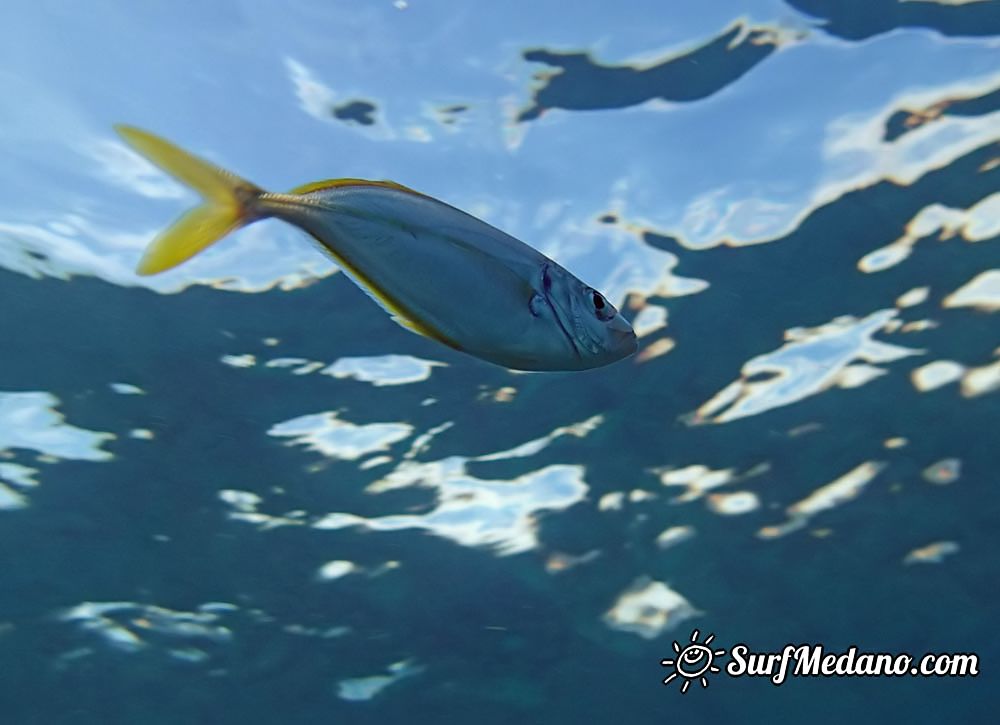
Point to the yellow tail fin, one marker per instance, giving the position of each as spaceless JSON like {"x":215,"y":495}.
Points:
{"x":229,"y":202}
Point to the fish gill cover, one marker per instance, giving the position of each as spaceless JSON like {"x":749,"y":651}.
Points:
{"x":237,"y":492}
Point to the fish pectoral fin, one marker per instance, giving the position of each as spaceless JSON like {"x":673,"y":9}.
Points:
{"x":536,"y":304}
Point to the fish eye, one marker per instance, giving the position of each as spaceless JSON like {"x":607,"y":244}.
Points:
{"x":603,"y":309}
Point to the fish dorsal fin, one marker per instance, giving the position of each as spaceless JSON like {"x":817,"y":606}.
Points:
{"x":334,"y":183}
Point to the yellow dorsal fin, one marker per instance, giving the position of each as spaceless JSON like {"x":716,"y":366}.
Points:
{"x":333,"y":183}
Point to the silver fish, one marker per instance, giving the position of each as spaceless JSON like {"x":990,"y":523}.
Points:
{"x":438,"y":271}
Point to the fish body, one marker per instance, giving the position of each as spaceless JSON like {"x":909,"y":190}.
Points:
{"x":438,"y":271}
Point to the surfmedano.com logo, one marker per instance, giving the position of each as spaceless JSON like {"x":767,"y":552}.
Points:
{"x":695,"y":661}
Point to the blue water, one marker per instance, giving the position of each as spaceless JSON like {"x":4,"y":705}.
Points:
{"x":238,"y":492}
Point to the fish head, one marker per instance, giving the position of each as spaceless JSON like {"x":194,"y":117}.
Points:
{"x":593,"y":330}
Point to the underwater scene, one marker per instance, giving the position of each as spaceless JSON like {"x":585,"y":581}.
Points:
{"x":239,"y":492}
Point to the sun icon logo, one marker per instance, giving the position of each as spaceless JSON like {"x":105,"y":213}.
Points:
{"x":694,"y":661}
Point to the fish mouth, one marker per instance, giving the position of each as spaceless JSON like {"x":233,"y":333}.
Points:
{"x":556,"y":309}
{"x":623,"y":335}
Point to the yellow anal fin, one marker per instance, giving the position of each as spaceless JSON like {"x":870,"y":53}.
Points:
{"x":392,"y":307}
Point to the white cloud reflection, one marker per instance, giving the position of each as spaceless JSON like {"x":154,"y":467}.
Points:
{"x":124,"y":167}
{"x":30,"y":420}
{"x":813,"y":360}
{"x":382,"y":369}
{"x":366,"y":688}
{"x":496,"y":513}
{"x":843,"y":489}
{"x":131,"y":627}
{"x":315,"y":98}
{"x":477,"y":512}
{"x":327,"y":434}
{"x":982,"y":292}
{"x":649,"y":608}
{"x":853,"y":154}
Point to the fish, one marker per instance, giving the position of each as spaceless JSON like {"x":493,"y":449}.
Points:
{"x":438,"y":271}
